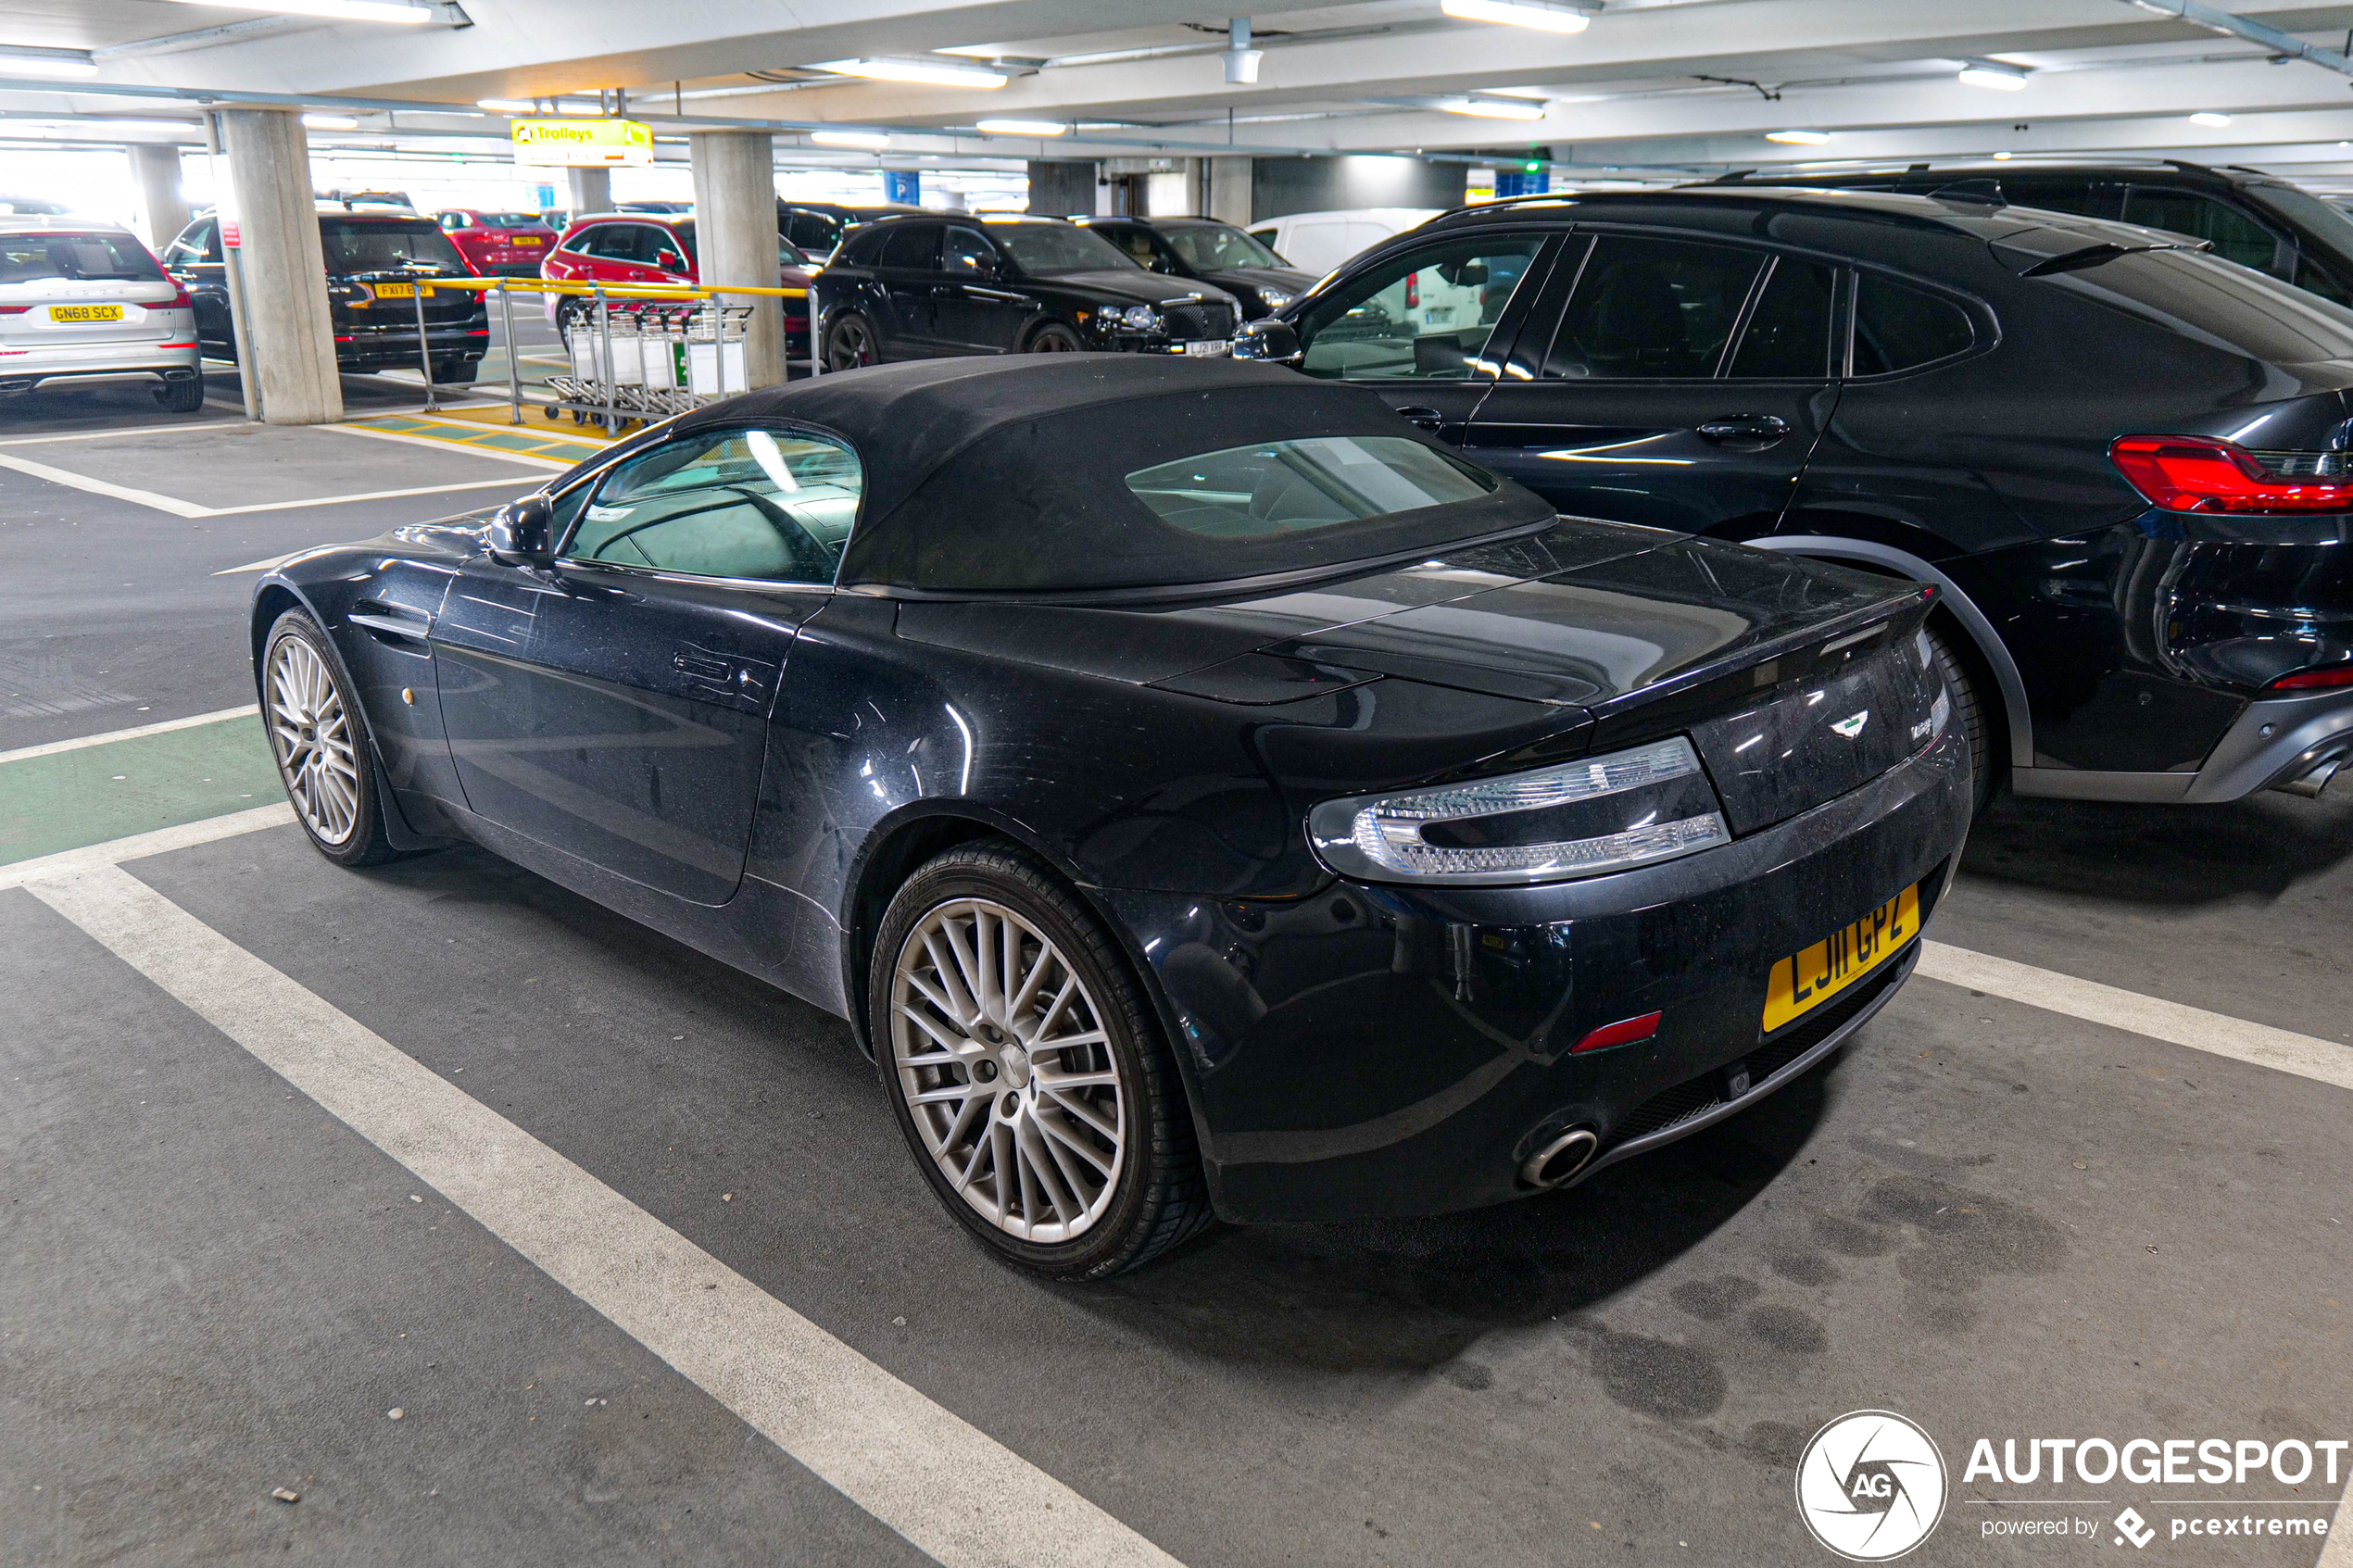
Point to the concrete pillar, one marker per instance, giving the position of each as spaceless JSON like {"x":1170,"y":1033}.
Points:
{"x":735,"y":232}
{"x":1230,"y":191}
{"x":162,"y":209}
{"x":289,"y":329}
{"x":1060,"y":187}
{"x":591,"y":190}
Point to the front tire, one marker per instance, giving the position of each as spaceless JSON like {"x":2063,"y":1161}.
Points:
{"x":1027,"y":1072}
{"x":1053,"y":338}
{"x":319,"y":739}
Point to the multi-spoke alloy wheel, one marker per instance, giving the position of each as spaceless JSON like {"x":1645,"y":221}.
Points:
{"x":320,"y":741}
{"x":1027,"y":1068}
{"x":1004,"y":1061}
{"x":313,"y":737}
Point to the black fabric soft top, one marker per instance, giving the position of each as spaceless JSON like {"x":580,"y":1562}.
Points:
{"x":1008,"y":474}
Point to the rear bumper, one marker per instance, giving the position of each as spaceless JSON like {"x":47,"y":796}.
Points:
{"x":23,"y":369}
{"x":2271,"y":743}
{"x":365,"y":345}
{"x":1372,"y":1051}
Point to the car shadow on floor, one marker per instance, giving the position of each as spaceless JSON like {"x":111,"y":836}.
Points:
{"x":1412,"y":1294}
{"x":2164,"y":855}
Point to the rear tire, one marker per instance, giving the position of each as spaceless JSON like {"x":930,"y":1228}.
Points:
{"x":180,"y":396}
{"x":319,"y":739}
{"x":1969,"y":712}
{"x":1049,"y":1122}
{"x":849,"y":343}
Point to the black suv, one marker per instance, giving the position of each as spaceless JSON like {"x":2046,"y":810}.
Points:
{"x":815,"y":228}
{"x":915,"y":287}
{"x":1217,"y":254}
{"x":2250,"y":217}
{"x":2126,"y":462}
{"x":373,"y":263}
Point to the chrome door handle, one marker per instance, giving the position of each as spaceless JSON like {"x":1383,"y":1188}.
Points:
{"x":1745,"y":427}
{"x":1428,"y":418}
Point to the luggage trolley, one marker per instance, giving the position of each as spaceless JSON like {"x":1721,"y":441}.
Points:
{"x":647,"y":359}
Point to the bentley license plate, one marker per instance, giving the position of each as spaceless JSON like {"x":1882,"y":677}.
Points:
{"x":1830,"y":966}
{"x":1209,"y":348}
{"x":85,"y":312}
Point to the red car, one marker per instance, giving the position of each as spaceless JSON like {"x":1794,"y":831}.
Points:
{"x":500,"y":244}
{"x":646,"y":247}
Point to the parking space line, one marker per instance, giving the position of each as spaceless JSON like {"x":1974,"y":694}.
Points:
{"x":368,"y":495}
{"x":2324,"y":1061}
{"x":428,"y":442}
{"x":156,"y":841}
{"x":172,"y":503}
{"x":50,"y":748}
{"x":118,"y":430}
{"x":951,"y":1490}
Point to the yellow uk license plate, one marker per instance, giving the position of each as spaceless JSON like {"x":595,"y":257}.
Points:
{"x":1841,"y":959}
{"x":393,"y":290}
{"x":85,"y":312}
{"x":529,"y":240}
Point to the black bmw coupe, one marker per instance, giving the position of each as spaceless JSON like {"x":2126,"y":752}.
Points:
{"x":1201,"y":791}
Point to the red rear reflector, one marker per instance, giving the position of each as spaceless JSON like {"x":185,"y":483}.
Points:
{"x":2198,"y":473}
{"x":2306,"y":680}
{"x":1623,"y":1033}
{"x":14,"y":309}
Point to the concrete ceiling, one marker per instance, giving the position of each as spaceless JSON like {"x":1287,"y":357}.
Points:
{"x":1630,"y":95}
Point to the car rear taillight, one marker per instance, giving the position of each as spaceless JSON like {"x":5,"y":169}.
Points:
{"x":1413,"y":291}
{"x":2313,"y":680}
{"x":2198,"y":473}
{"x":180,"y":299}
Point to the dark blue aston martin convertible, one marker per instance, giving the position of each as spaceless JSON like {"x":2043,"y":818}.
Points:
{"x":1201,"y":791}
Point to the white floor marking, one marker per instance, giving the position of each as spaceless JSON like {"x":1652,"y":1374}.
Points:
{"x":948,"y":1487}
{"x":172,"y":503}
{"x":270,"y":563}
{"x":118,"y":430}
{"x":553,"y":463}
{"x":367,"y":496}
{"x":52,"y":747}
{"x":2324,"y":1061}
{"x":2338,"y":1552}
{"x":158,"y":841}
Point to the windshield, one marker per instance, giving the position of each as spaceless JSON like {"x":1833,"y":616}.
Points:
{"x":2326,"y":223}
{"x":27,"y":258}
{"x":1279,"y":487}
{"x":1208,"y":246}
{"x":1044,"y":249}
{"x":2218,"y":302}
{"x":358,"y":245}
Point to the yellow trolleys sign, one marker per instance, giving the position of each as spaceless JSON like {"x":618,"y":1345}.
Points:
{"x":583,"y":144}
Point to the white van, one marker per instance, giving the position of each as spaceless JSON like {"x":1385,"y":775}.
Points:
{"x":1317,"y":242}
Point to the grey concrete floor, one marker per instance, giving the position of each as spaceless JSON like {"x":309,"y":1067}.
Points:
{"x":2001,"y":1222}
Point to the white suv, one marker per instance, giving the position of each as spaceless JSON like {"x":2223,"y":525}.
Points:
{"x":84,"y":301}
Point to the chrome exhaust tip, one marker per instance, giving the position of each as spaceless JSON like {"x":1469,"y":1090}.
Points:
{"x":2312,"y":779}
{"x":1559,"y":1160}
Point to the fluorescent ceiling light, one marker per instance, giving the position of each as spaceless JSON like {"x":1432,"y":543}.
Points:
{"x":46,"y":62}
{"x":1494,"y":108}
{"x":930,"y":73}
{"x":507,"y":106}
{"x":865,"y":138}
{"x":337,"y":10}
{"x":2002,"y":79}
{"x":1537,"y":14}
{"x":330,"y":122}
{"x":94,"y":126}
{"x":1024,"y":127}
{"x":1798,"y":138}
{"x":2208,"y":116}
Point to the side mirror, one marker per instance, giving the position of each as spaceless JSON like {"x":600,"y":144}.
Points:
{"x":520,"y":533}
{"x":1267,"y":338}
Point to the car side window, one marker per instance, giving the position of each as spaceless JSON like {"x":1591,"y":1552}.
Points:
{"x":762,"y":505}
{"x":1424,"y":315}
{"x":195,"y":245}
{"x":911,"y":246}
{"x":864,"y":247}
{"x":968,"y":254}
{"x":2236,"y":236}
{"x":1137,"y":243}
{"x":1651,"y":308}
{"x":812,"y":232}
{"x":1899,"y":328}
{"x":1789,"y":333}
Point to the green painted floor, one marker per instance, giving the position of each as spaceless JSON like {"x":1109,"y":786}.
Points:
{"x":100,"y":792}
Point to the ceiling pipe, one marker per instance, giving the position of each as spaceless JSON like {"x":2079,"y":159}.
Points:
{"x":2215,"y":21}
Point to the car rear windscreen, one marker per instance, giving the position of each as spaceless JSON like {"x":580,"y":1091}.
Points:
{"x":1277,"y":488}
{"x":31,"y":259}
{"x":2204,"y":297}
{"x":370,"y":245}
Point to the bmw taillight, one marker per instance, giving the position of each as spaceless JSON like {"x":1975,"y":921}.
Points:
{"x":2199,"y":473}
{"x":2314,"y":680}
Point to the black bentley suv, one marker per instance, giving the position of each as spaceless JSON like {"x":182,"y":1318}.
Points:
{"x":1217,"y":254}
{"x":2125,"y":461}
{"x":1200,"y":790}
{"x":919,"y":287}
